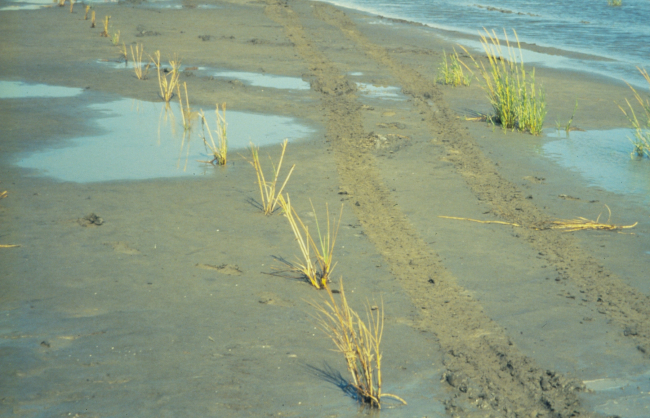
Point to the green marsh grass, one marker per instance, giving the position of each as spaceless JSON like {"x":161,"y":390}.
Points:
{"x":516,"y":101}
{"x":451,"y":71}
{"x":219,"y":149}
{"x":316,"y":269}
{"x":115,"y":38}
{"x":641,"y":140}
{"x":359,"y":341}
{"x":270,"y":197}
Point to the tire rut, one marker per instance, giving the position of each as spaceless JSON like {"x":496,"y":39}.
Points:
{"x":484,"y":370}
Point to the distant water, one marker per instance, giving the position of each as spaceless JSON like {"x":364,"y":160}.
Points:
{"x":619,"y":36}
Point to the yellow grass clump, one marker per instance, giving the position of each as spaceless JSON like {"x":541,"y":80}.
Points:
{"x":218,"y":149}
{"x":141,"y":71}
{"x":105,"y":32}
{"x":268,"y":193}
{"x":516,"y":101}
{"x":92,"y":19}
{"x":359,"y":341}
{"x":316,"y":272}
{"x":86,"y":12}
{"x":167,"y":80}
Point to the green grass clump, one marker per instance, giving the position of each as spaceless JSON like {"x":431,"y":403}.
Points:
{"x":451,"y":71}
{"x":614,"y":3}
{"x":568,"y":128}
{"x":516,"y":101}
{"x":641,"y":140}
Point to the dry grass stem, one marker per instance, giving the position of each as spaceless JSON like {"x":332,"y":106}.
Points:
{"x":167,"y":79}
{"x":566,"y":225}
{"x":317,"y":269}
{"x":188,"y":116}
{"x":268,"y":193}
{"x":92,"y":19}
{"x":71,"y":4}
{"x":219,"y":149}
{"x":86,"y":13}
{"x":359,"y":341}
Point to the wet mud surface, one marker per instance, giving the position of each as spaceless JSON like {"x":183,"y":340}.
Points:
{"x":163,"y":297}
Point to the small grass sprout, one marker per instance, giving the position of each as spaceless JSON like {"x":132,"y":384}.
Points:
{"x":219,"y":149}
{"x":516,"y":101}
{"x":104,"y":34}
{"x":268,"y":193}
{"x":115,"y":39}
{"x":71,"y":4}
{"x":123,"y":54}
{"x":167,"y":79}
{"x":141,"y":71}
{"x":615,"y":3}
{"x":316,"y":272}
{"x":359,"y":341}
{"x":568,"y":128}
{"x":451,"y":71}
{"x":92,"y":19}
{"x":86,"y":12}
{"x":641,"y":140}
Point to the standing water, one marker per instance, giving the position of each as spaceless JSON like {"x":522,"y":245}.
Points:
{"x":613,"y":38}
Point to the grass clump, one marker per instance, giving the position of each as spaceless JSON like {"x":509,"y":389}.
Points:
{"x":516,"y":101}
{"x":615,"y":3}
{"x":141,"y":71}
{"x":641,"y":140}
{"x":316,"y":272}
{"x":86,"y":12}
{"x":451,"y":71}
{"x":167,"y":79}
{"x":359,"y":341}
{"x":92,"y":19}
{"x":268,"y":194}
{"x":219,"y":148}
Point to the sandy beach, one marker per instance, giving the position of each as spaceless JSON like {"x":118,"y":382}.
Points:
{"x":175,"y":304}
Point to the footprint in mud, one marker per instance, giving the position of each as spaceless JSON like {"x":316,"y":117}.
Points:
{"x":270,"y":298}
{"x":122,"y":248}
{"x":229,"y":269}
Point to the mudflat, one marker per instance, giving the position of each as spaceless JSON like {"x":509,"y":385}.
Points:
{"x":168,"y":296}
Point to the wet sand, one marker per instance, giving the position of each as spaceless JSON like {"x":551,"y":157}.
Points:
{"x":173,"y":306}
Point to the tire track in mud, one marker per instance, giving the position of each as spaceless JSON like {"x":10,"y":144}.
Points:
{"x":625,"y":305}
{"x":484,"y":370}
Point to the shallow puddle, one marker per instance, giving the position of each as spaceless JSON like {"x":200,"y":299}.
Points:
{"x":264,"y":80}
{"x":20,"y":90}
{"x":380,"y":92}
{"x":627,"y":397}
{"x":142,"y":140}
{"x":603,"y":159}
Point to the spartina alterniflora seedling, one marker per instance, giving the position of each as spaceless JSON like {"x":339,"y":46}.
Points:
{"x":105,"y":31}
{"x":359,"y":340}
{"x":641,"y":140}
{"x":269,"y":193}
{"x":141,"y":70}
{"x":115,"y":39}
{"x":187,"y":114}
{"x":123,"y":54}
{"x":219,"y":148}
{"x":61,"y":3}
{"x":92,"y":19}
{"x":451,"y":70}
{"x":71,"y":4}
{"x":318,"y":268}
{"x":516,"y":101}
{"x":167,"y":79}
{"x":568,"y":126}
{"x":86,"y":12}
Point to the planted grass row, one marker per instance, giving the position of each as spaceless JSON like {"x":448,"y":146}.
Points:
{"x":356,"y":338}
